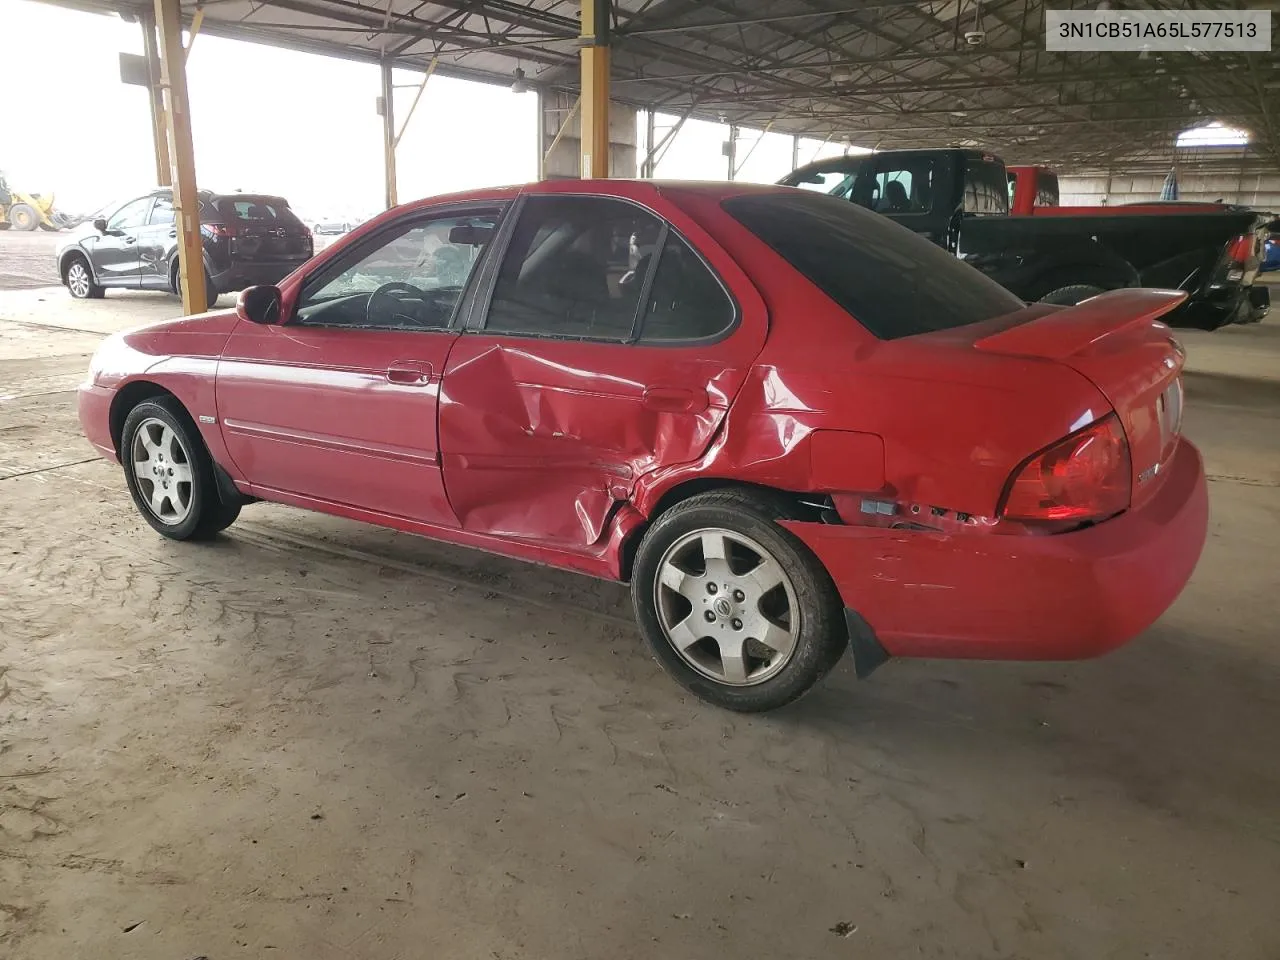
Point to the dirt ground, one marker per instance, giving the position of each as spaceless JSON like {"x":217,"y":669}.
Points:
{"x":318,"y":739}
{"x":26,"y":259}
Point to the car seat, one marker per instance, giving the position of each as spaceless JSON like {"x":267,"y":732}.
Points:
{"x":895,"y":197}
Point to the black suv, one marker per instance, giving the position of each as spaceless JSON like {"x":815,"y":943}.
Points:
{"x":248,"y":239}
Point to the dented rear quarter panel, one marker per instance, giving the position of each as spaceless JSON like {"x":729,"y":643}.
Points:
{"x":952,"y":424}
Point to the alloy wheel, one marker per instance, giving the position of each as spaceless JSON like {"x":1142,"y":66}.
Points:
{"x":162,"y":469}
{"x":78,"y":279}
{"x":726,"y":606}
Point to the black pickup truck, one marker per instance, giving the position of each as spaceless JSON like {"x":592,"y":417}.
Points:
{"x":960,"y":200}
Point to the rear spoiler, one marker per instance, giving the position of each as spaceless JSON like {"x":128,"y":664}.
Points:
{"x":1067,"y":332}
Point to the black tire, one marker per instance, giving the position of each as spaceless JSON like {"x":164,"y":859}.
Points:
{"x":207,"y":514}
{"x":822,"y":636}
{"x":1071,"y":294}
{"x":175,"y":284}
{"x":23,"y":216}
{"x":78,"y":277}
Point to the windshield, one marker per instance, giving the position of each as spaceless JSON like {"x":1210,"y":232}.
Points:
{"x":894,"y":282}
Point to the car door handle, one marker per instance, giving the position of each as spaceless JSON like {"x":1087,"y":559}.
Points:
{"x":130,"y":239}
{"x":172,"y":234}
{"x":675,"y":399}
{"x":413,"y":373}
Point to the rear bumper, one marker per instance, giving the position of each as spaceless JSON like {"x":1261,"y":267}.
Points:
{"x":1236,"y":304}
{"x":1259,"y":301}
{"x":93,"y":404}
{"x":1061,"y":597}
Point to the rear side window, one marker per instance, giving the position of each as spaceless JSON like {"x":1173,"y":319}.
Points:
{"x":598,"y":268}
{"x":903,"y":185}
{"x":687,"y":301}
{"x":252,"y":209}
{"x":895,"y":283}
{"x":986,"y":187}
{"x":573,"y":269}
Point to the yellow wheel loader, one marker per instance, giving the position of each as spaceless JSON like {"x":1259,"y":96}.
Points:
{"x":25,"y":211}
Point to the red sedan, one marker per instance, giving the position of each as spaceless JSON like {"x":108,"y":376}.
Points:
{"x":793,"y":426}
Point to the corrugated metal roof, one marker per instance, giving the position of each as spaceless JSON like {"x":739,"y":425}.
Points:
{"x":882,"y":73}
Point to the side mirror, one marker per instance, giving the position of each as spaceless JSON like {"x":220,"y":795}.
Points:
{"x":259,"y":305}
{"x":100,"y":225}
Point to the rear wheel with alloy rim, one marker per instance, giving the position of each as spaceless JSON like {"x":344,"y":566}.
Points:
{"x":726,"y":606}
{"x":734,"y":606}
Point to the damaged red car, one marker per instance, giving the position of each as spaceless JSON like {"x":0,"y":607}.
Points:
{"x":794,"y":427}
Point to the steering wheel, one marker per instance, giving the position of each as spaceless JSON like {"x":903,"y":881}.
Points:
{"x":395,"y":307}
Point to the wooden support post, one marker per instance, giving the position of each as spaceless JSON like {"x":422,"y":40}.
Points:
{"x":650,"y":124}
{"x":387,"y":100}
{"x":540,"y":134}
{"x":186,"y":203}
{"x":159,"y":135}
{"x":595,"y":89}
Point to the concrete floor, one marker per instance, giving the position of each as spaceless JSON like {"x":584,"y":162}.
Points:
{"x":318,"y":739}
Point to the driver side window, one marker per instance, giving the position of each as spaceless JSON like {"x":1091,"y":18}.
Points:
{"x":133,"y":214}
{"x":410,"y":278}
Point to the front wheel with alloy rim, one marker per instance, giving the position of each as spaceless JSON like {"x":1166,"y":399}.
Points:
{"x":80,"y":280}
{"x":734,"y":606}
{"x":170,"y":474}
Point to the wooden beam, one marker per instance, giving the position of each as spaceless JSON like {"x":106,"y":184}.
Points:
{"x":186,"y":203}
{"x":595,"y":89}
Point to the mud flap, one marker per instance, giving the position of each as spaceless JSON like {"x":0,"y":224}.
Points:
{"x":866,"y":650}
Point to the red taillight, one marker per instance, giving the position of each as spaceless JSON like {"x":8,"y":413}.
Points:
{"x":1241,"y":249}
{"x":221,"y":229}
{"x":1087,"y":476}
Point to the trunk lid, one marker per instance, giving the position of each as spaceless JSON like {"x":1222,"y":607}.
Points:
{"x":1117,"y":342}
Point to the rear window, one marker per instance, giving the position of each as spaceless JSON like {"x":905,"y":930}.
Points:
{"x":246,"y":207}
{"x":1046,"y":189}
{"x":895,"y":283}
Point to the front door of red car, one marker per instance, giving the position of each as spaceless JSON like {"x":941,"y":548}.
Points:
{"x":338,"y":406}
{"x":606,"y":348}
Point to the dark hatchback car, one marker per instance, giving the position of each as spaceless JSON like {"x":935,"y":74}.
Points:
{"x":248,"y":239}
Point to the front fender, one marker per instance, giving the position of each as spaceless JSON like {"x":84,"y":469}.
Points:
{"x":68,"y":252}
